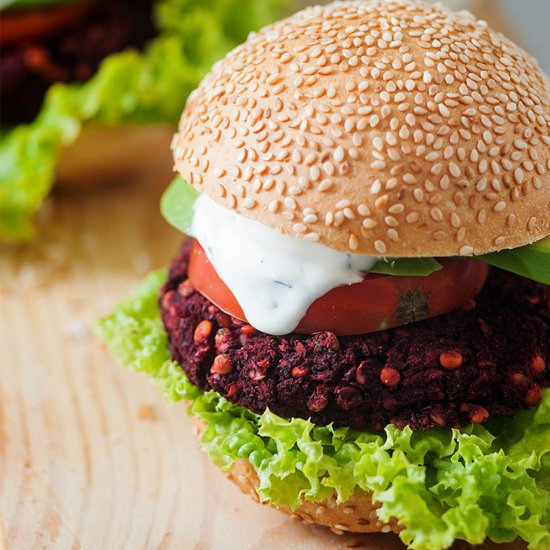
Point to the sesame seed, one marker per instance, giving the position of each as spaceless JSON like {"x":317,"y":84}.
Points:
{"x":328,"y":168}
{"x":436,"y":214}
{"x":392,"y":234}
{"x":391,"y":139}
{"x":454,"y":170}
{"x":339,"y":219}
{"x":466,"y":250}
{"x":363,"y":210}
{"x":444,"y":110}
{"x":374,"y":121}
{"x":290,"y":203}
{"x":380,"y":246}
{"x":325,"y":185}
{"x":349,"y":125}
{"x":396,"y":209}
{"x":315,"y":173}
{"x":391,"y":184}
{"x":312,"y":236}
{"x":343,"y":204}
{"x":369,"y":223}
{"x":376,"y":187}
{"x":311,"y":218}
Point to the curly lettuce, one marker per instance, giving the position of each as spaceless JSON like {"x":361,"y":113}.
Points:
{"x":490,"y":481}
{"x":129,"y":88}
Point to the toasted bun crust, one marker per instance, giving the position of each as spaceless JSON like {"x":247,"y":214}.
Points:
{"x":357,"y":514}
{"x":102,"y":155}
{"x":390,"y":128}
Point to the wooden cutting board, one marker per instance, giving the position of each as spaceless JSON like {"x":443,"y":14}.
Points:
{"x":90,"y":456}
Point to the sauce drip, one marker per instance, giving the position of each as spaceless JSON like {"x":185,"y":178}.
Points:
{"x":274,"y":277}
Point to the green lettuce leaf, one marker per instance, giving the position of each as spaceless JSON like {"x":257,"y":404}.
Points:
{"x":407,"y":266}
{"x":24,"y":4}
{"x":129,"y":88}
{"x":531,"y":261}
{"x":483,"y":481}
{"x":136,"y":337}
{"x":177,"y":204}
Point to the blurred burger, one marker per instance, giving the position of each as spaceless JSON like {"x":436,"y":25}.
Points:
{"x":98,"y":82}
{"x":58,"y":41}
{"x":352,"y":356}
{"x":44,"y":42}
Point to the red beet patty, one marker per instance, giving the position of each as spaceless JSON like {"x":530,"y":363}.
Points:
{"x":29,"y":68}
{"x":486,"y":360}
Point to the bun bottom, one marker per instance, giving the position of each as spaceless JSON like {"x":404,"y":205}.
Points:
{"x":103,"y":155}
{"x":355,"y":515}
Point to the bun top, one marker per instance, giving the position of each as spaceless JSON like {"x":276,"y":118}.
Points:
{"x":383,"y":127}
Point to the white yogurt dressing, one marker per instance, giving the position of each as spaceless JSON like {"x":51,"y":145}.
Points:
{"x":274,"y":277}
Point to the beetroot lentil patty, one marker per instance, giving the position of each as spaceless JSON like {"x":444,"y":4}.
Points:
{"x":488,"y":359}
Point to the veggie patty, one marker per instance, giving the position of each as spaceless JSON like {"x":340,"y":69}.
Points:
{"x":488,"y":359}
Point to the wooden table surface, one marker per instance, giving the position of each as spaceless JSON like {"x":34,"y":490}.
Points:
{"x":90,"y":456}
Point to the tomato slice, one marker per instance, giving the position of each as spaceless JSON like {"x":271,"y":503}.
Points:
{"x":33,"y":24}
{"x":377,"y":303}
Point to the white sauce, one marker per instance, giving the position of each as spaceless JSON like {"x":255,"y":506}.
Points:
{"x":274,"y":277}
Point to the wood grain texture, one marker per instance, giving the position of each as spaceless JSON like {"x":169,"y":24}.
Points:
{"x":90,"y":456}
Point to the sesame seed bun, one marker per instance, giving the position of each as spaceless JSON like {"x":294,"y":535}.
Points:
{"x":390,"y":128}
{"x":356,"y":515}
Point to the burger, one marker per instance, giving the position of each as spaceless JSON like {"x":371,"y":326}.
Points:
{"x":88,"y":90}
{"x":46,"y":42}
{"x":360,"y":320}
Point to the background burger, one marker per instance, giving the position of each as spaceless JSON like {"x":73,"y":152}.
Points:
{"x":352,"y":175}
{"x":118,"y":70}
{"x":48,"y":42}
